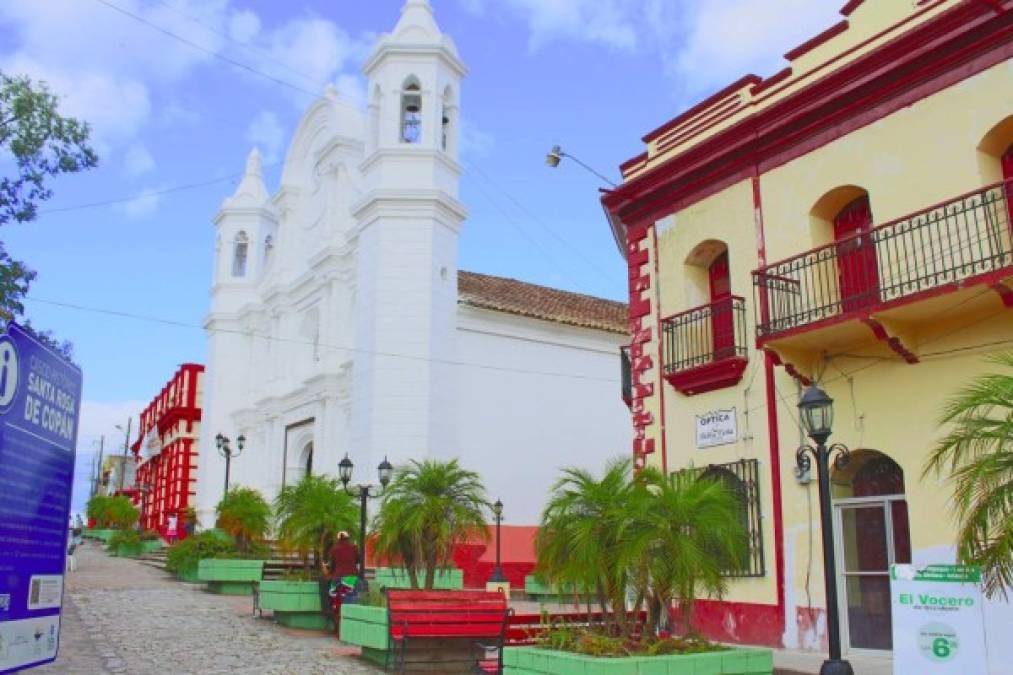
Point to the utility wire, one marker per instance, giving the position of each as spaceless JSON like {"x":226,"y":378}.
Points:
{"x":311,"y":343}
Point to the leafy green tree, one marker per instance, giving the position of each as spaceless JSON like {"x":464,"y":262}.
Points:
{"x":581,"y":540}
{"x":309,"y":515}
{"x":686,"y":531}
{"x":120,"y":513}
{"x":246,"y":516}
{"x":429,"y":507}
{"x":977,"y":453}
{"x":40,"y":143}
{"x":96,"y":509}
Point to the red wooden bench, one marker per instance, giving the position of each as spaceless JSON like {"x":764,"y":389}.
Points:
{"x":446,"y":631}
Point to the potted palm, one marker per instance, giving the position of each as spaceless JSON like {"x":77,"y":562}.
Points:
{"x":308,"y":516}
{"x":661,"y":539}
{"x":244,"y":515}
{"x":429,"y":508}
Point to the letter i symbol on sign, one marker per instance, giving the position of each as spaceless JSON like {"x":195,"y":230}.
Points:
{"x":8,"y":373}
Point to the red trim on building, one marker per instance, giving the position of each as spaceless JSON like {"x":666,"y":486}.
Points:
{"x":661,"y":358}
{"x":850,"y":7}
{"x":708,"y":377}
{"x":815,"y":42}
{"x":937,"y":54}
{"x":737,"y":622}
{"x":776,"y":78}
{"x":894,"y":342}
{"x":630,"y":163}
{"x":702,"y":105}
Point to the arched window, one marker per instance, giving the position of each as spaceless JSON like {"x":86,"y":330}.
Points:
{"x":844,"y":216}
{"x":268,"y":249}
{"x":239,"y":254}
{"x":411,"y":111}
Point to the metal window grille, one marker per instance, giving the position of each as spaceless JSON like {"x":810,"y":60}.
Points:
{"x":626,"y":367}
{"x":742,"y":479}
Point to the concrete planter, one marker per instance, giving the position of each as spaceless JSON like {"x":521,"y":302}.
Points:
{"x":126,"y":550}
{"x":446,"y":579}
{"x":295,"y":604}
{"x":151,"y":545}
{"x":366,"y":626}
{"x":538,"y":661}
{"x":229,"y":576}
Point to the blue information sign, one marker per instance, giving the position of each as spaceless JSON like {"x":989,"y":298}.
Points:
{"x":40,"y":398}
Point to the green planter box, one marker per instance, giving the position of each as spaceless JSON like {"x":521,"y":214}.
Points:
{"x":229,"y":576}
{"x":538,"y":661}
{"x":151,"y":545}
{"x":446,"y":579}
{"x":126,"y":550}
{"x":532,"y":586}
{"x":295,"y":604}
{"x":366,"y":626}
{"x":101,"y":535}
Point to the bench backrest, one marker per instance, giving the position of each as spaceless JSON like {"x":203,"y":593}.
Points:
{"x":479,"y":614}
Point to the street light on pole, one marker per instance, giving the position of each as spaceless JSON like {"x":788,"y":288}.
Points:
{"x":498,"y":581}
{"x":224,"y":445}
{"x":364,"y":492}
{"x":556,"y":155}
{"x":816,"y":411}
{"x":126,"y":449}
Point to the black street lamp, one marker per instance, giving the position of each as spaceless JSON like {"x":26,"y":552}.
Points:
{"x":816,"y":411}
{"x":497,"y":574}
{"x":363,"y":492}
{"x":224,"y":445}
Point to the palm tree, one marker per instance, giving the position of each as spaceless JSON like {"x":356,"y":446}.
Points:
{"x":978,"y":454}
{"x":310,"y":513}
{"x":686,"y":530}
{"x":245,"y":514}
{"x":429,"y":507}
{"x":581,"y":540}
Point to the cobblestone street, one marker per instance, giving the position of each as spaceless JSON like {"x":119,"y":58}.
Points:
{"x":124,"y":617}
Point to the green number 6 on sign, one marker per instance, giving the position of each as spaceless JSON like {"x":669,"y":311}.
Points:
{"x":941,"y":647}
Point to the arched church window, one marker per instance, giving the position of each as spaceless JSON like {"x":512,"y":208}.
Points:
{"x":411,"y":111}
{"x":239,"y":255}
{"x":307,"y":459}
{"x":268,"y":248}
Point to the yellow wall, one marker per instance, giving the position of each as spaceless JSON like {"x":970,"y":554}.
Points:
{"x":910,"y":160}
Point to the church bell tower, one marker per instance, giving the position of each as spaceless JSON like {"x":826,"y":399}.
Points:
{"x":407,"y":225}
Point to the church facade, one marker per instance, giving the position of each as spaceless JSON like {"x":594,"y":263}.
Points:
{"x":341,"y":324}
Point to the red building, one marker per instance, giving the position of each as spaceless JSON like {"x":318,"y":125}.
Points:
{"x":166,"y":451}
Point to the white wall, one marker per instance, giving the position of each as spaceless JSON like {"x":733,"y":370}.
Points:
{"x":518,"y":428}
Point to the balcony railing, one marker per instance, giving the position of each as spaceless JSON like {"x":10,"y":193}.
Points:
{"x":952,"y":242}
{"x":705,"y":335}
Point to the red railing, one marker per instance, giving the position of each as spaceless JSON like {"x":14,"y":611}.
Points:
{"x":952,"y":242}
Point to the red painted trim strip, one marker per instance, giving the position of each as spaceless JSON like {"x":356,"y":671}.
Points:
{"x":776,"y":78}
{"x":815,"y":42}
{"x":661,"y":358}
{"x":630,"y":163}
{"x":851,"y":7}
{"x":702,"y":105}
{"x":718,"y":114}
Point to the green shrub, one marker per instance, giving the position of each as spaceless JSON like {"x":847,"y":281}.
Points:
{"x":124,"y":538}
{"x":310,"y":514}
{"x":97,"y":509}
{"x":186,"y":554}
{"x":120,"y":513}
{"x":246,"y":516}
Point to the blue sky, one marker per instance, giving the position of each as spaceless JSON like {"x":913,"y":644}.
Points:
{"x":591,"y":75}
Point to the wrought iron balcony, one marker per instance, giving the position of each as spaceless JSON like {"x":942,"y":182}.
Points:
{"x":966,"y":240}
{"x":705,"y":347}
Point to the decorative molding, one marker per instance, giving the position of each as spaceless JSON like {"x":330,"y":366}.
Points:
{"x":708,"y":377}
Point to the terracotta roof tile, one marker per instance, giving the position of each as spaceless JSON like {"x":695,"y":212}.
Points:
{"x":540,"y":302}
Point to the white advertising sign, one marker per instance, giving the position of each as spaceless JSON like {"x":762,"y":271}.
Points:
{"x":938,"y":624}
{"x":717,"y":427}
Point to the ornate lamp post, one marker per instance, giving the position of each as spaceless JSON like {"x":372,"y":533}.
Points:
{"x":497,"y":577}
{"x":363,"y":492}
{"x":224,"y":445}
{"x":816,"y":411}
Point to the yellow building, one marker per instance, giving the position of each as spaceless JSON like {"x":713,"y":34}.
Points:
{"x":844,"y":221}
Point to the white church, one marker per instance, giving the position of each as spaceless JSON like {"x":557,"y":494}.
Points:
{"x":340,"y":322}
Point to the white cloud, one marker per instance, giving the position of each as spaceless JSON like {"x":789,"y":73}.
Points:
{"x":99,"y":418}
{"x":138,"y":160}
{"x":266,"y":133}
{"x":726,"y":39}
{"x":352,"y":88}
{"x":606,"y":22}
{"x":244,"y":25}
{"x":142,"y":206}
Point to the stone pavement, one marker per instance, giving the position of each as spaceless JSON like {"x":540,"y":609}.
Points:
{"x":124,"y":617}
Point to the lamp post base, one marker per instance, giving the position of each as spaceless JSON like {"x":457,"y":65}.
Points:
{"x":836,"y":667}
